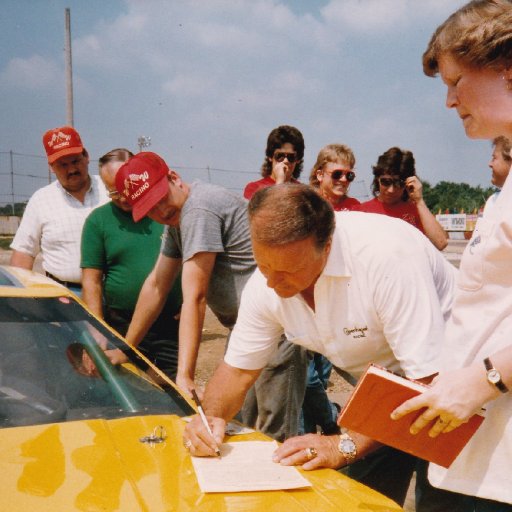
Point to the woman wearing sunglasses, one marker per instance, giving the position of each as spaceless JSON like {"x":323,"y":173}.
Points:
{"x":398,"y":193}
{"x":332,"y":175}
{"x":283,"y":159}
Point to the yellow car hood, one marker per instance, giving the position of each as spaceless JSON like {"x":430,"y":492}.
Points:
{"x":101,"y":465}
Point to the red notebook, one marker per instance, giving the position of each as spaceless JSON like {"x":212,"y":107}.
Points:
{"x":380,"y":391}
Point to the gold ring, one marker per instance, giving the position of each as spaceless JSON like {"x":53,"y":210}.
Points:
{"x":311,"y":453}
{"x":187,"y":444}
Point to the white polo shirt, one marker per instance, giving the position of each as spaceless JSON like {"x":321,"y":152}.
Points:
{"x":382,"y":297}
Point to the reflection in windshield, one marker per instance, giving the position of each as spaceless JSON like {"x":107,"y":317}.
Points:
{"x":53,"y":368}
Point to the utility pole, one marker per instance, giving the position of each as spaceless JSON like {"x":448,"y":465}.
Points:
{"x":69,"y":70}
{"x":12,"y":179}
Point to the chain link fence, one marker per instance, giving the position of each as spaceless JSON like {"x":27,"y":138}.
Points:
{"x":22,"y":174}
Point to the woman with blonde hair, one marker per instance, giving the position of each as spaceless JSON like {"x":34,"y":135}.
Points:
{"x":332,"y":175}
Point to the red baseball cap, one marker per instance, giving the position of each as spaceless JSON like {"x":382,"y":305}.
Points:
{"x":142,"y":180}
{"x":62,"y":141}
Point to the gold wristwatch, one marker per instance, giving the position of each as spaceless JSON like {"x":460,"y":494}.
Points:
{"x":347,"y":447}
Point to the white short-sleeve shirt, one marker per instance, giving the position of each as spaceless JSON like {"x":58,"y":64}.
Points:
{"x":382,"y":297}
{"x":53,"y":222}
{"x":482,"y":325}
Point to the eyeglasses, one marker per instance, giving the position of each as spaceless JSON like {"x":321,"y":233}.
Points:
{"x":338,"y":174}
{"x":387,"y":182}
{"x":113,"y":194}
{"x":279,"y":156}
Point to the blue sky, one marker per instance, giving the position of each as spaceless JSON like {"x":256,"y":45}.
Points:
{"x":208,"y":80}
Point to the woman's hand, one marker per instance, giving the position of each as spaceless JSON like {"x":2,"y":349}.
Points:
{"x":282,"y":172}
{"x":414,"y":189}
{"x":453,"y":398}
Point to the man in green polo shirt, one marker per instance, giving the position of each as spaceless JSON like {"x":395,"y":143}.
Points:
{"x":117,"y":254}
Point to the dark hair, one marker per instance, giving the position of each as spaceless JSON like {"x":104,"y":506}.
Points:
{"x":504,"y":146}
{"x":115,"y":155}
{"x":479,"y":34}
{"x":290,"y":212}
{"x":276,"y":139}
{"x":396,"y":162}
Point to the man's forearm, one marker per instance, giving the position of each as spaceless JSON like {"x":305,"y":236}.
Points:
{"x":226,"y":390}
{"x":433,"y":230}
{"x":365,"y":445}
{"x":92,"y":296}
{"x":22,"y":260}
{"x":92,"y":290}
{"x":191,"y":326}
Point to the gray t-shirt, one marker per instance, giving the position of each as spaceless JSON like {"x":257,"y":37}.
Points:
{"x":215,"y":220}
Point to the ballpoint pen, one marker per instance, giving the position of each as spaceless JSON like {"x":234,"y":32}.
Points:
{"x":203,"y":417}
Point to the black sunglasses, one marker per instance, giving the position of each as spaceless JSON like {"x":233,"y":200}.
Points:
{"x":337,"y":175}
{"x":279,"y":156}
{"x":387,"y":182}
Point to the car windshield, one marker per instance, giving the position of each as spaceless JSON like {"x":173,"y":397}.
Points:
{"x":53,"y":368}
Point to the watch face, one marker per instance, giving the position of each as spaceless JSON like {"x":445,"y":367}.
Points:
{"x":493,"y":376}
{"x":347,"y":446}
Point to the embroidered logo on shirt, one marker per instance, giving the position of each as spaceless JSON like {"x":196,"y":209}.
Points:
{"x":356,"y":332}
{"x":474,"y":243}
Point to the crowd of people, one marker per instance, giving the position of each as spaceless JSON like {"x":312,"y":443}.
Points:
{"x":306,"y":277}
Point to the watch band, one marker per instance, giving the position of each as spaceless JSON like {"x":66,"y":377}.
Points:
{"x":347,"y":447}
{"x":494,"y":376}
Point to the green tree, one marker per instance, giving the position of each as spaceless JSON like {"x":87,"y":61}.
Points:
{"x":455,"y":197}
{"x":19,"y":208}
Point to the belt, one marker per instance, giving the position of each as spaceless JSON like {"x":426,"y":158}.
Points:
{"x":67,"y":284}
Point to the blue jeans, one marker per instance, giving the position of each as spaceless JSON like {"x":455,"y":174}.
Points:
{"x":317,"y":409}
{"x":432,"y":499}
{"x":273,"y":404}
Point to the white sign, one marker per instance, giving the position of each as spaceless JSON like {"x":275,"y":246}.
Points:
{"x":452,"y":221}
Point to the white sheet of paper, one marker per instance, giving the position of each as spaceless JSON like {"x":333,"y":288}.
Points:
{"x":246,"y":466}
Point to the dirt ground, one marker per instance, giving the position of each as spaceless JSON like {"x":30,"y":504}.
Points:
{"x":212,"y":349}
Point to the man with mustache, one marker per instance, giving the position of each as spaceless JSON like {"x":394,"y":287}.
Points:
{"x":55,"y":214}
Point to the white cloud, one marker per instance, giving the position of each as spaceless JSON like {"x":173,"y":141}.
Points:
{"x":33,"y":73}
{"x":366,"y":16}
{"x":183,"y":85}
